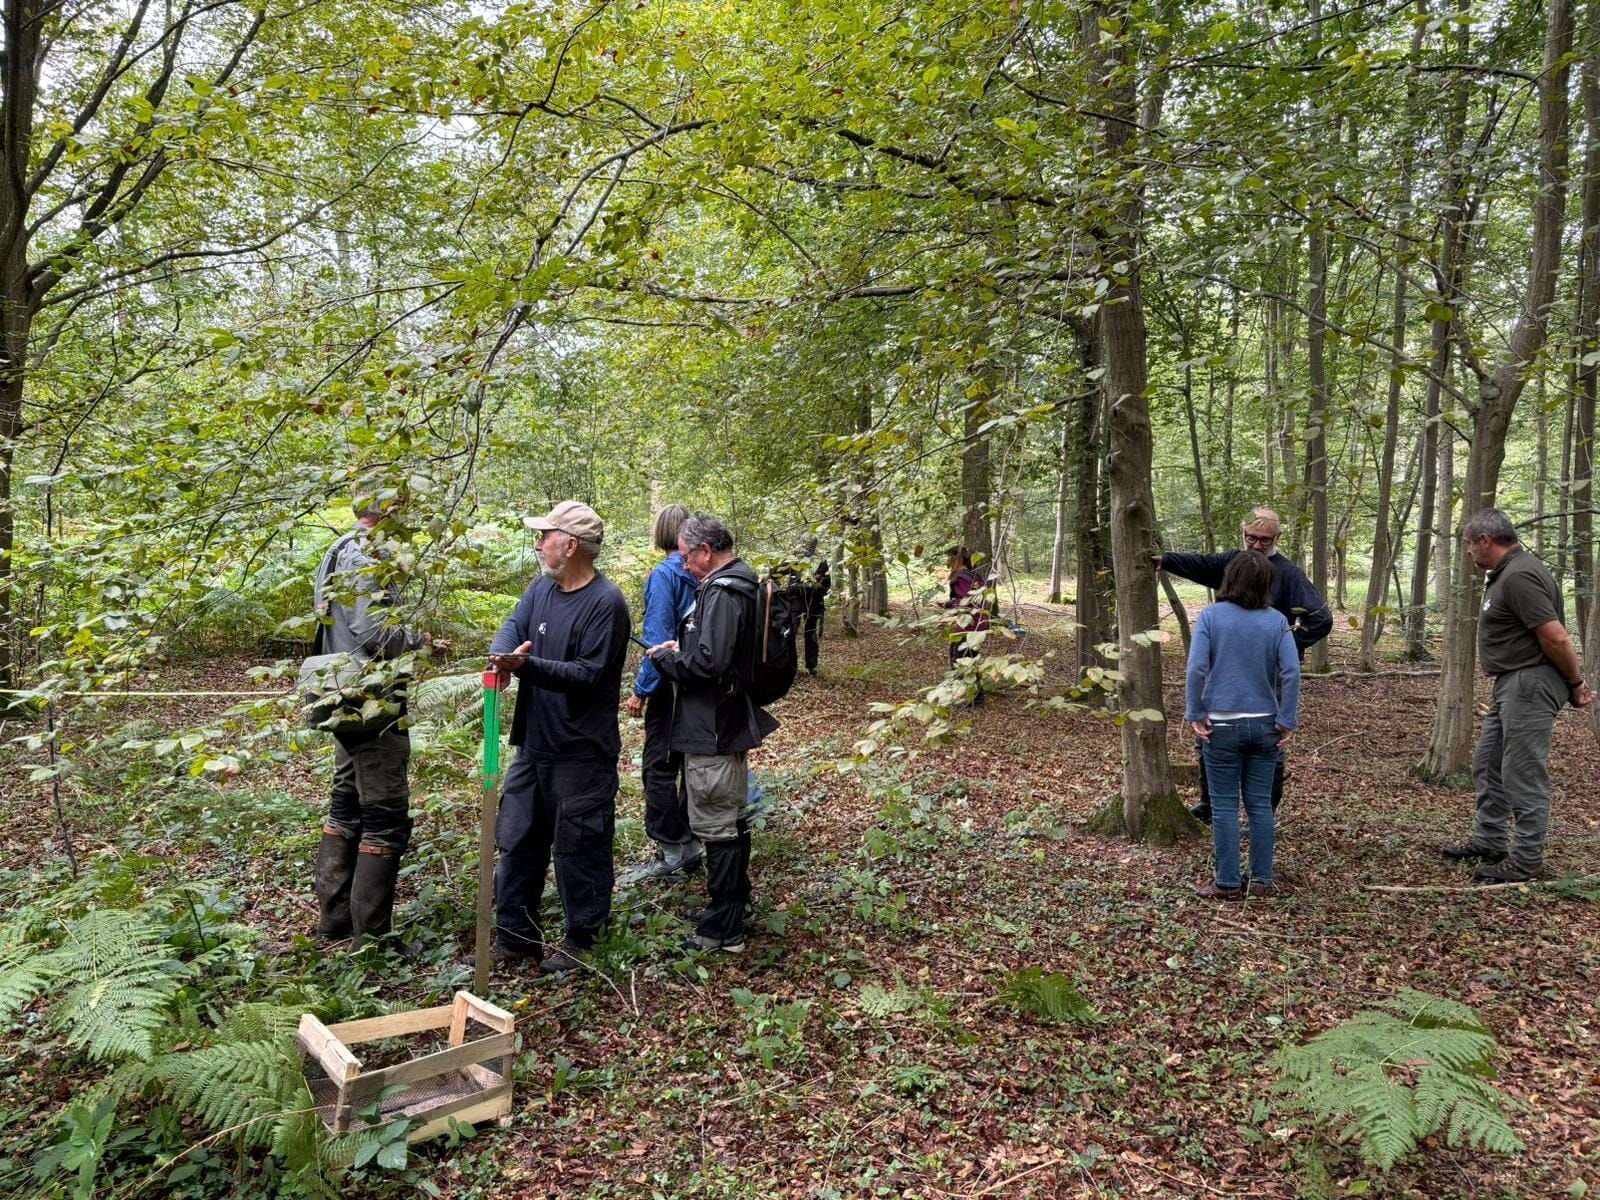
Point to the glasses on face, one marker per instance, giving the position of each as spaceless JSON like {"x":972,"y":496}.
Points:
{"x":1260,"y":539}
{"x":543,"y":533}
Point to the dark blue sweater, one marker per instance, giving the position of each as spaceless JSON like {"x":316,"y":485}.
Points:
{"x":1292,"y":593}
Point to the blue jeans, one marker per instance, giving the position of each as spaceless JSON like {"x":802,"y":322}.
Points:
{"x":1242,"y":755}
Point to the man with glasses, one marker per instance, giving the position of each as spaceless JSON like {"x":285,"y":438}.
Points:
{"x":1524,"y":647}
{"x":1292,"y":594}
{"x":565,"y":642}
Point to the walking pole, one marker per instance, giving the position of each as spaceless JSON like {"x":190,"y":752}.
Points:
{"x":491,"y":785}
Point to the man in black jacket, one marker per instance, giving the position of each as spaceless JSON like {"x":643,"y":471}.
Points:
{"x":715,"y":724}
{"x":1292,"y":594}
{"x":565,"y":642}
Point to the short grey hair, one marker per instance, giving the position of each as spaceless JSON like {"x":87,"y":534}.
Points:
{"x":702,"y":529}
{"x":1493,"y":524}
{"x":1262,"y":515}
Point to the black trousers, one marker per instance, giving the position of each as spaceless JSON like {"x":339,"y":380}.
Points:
{"x":666,"y":809}
{"x":813,"y":633}
{"x":371,"y":800}
{"x":1205,"y":791}
{"x":561,"y":808}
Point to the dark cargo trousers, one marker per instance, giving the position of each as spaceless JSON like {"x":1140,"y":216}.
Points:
{"x":666,"y":809}
{"x":1511,"y":768}
{"x":561,"y":808}
{"x":371,"y":800}
{"x":367,"y":829}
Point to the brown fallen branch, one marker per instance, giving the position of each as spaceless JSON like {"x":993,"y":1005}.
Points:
{"x":1570,"y":881}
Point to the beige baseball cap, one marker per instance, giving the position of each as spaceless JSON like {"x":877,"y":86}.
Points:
{"x":571,"y":516}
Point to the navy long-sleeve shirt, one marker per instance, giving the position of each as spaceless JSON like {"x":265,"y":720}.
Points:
{"x":567,"y":687}
{"x":1292,"y":593}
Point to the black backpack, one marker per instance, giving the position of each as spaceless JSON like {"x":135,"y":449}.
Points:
{"x":773,"y":658}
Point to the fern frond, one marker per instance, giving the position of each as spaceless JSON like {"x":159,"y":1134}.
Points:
{"x":1052,"y":996}
{"x":1481,"y":1125}
{"x":1427,"y":1011}
{"x":1395,"y":1075}
{"x":235,"y":1085}
{"x":879,"y":1002}
{"x":445,"y":695}
{"x":123,"y":981}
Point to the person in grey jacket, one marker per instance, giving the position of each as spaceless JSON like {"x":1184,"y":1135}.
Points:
{"x":715,"y":724}
{"x":368,"y":826}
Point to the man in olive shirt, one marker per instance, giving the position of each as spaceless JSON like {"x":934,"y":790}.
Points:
{"x":1523,"y":645}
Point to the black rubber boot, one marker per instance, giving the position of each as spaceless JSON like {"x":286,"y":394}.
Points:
{"x":724,"y":916}
{"x":372,"y":893}
{"x":336,"y":867}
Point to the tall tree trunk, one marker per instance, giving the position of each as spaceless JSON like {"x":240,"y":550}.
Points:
{"x":1383,"y":545}
{"x":1058,"y":548}
{"x":1150,"y":807}
{"x":1199,"y":463}
{"x":1316,"y":422}
{"x":976,"y":483}
{"x":1092,"y":605}
{"x":1449,"y":745}
{"x":1588,"y":331}
{"x":1541,"y":470}
{"x":1564,"y":485}
{"x":19,"y":69}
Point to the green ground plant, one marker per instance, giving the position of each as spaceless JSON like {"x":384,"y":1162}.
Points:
{"x":1390,"y":1077}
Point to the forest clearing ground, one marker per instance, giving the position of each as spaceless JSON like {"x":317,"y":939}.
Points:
{"x":930,"y":880}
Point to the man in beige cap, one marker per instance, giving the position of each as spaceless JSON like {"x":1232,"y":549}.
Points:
{"x":565,"y":642}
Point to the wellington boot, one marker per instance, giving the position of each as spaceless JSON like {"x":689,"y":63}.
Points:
{"x":728,"y":887}
{"x":372,"y":893}
{"x":336,"y":868}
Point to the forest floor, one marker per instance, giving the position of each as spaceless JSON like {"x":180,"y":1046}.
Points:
{"x":863,"y":1044}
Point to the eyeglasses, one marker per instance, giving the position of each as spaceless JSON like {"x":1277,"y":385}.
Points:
{"x":1260,"y":539}
{"x":556,"y":529}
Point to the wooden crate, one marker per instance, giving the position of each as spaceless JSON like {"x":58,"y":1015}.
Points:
{"x":470,"y":1081}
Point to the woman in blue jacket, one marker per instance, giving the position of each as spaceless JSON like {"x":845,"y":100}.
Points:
{"x":668,"y":593}
{"x":1242,"y":701}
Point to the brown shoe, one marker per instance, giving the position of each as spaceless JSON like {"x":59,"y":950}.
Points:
{"x":1263,"y":888}
{"x":1211,"y":890}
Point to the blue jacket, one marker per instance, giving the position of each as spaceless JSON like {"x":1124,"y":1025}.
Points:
{"x":1242,"y":660}
{"x":669,"y":593}
{"x":1292,"y":593}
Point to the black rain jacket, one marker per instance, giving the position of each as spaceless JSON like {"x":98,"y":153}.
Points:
{"x":711,"y":711}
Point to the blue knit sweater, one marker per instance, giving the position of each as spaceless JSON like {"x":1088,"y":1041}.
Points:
{"x":1243,"y":660}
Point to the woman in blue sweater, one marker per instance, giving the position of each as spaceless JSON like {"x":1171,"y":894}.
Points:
{"x":1242,"y":701}
{"x":669,"y":592}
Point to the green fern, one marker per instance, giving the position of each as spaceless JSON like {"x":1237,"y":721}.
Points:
{"x":115,"y":980}
{"x":1389,"y":1077}
{"x":879,"y":1002}
{"x":448,"y":697}
{"x":1052,"y":997}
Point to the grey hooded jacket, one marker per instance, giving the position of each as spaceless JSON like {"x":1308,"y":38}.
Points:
{"x":355,"y":611}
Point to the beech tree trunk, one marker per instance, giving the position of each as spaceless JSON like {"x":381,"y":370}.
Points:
{"x":1316,"y":423}
{"x":1588,"y":333}
{"x":975,"y":485}
{"x":1058,"y":549}
{"x":1092,"y":602}
{"x":1150,"y":807}
{"x":1450,"y":743}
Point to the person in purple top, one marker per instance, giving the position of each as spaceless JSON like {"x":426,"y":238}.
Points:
{"x":1242,"y":700}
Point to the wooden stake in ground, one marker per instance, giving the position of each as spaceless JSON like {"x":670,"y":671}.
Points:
{"x":491,"y":788}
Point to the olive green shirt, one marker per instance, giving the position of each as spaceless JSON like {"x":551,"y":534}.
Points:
{"x":1521,"y":596}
